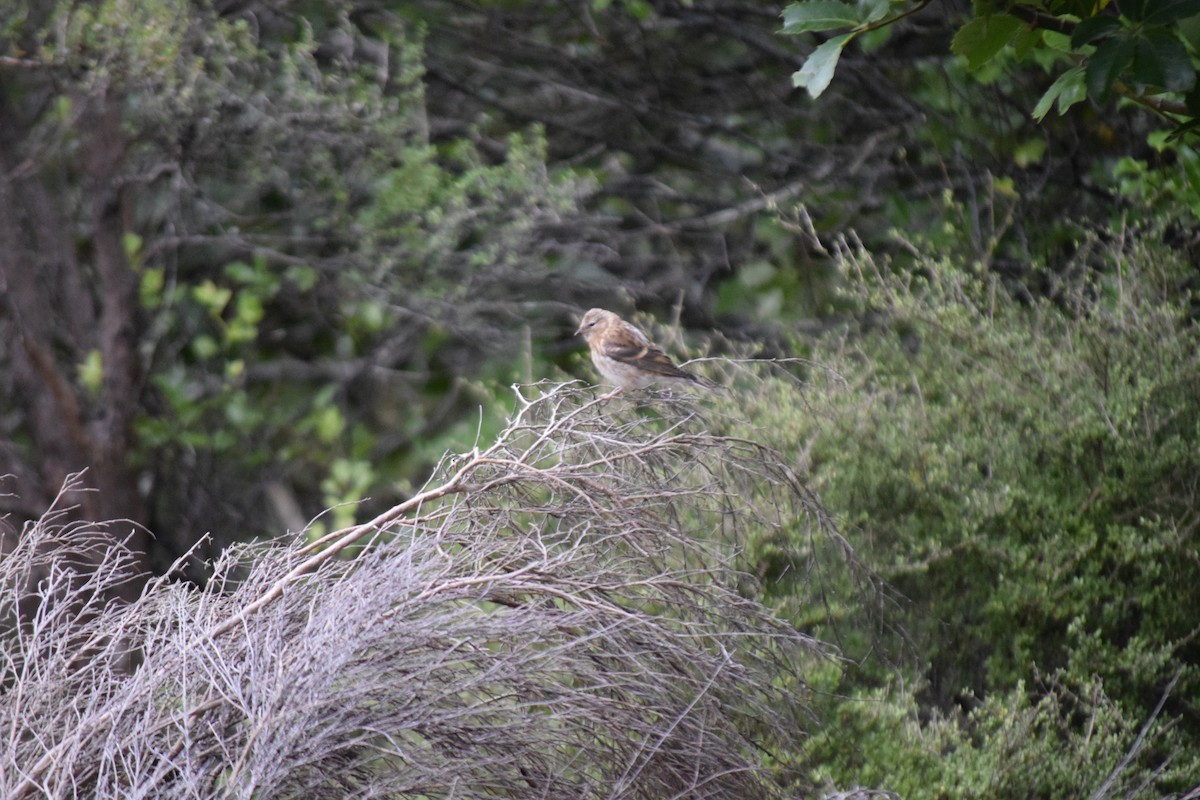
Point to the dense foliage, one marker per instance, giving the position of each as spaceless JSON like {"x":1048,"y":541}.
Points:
{"x":1023,"y":477}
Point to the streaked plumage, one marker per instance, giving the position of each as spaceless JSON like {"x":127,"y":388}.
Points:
{"x":625,"y":357}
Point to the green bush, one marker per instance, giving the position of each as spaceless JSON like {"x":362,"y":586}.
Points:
{"x":1021,"y":475}
{"x":1055,"y":741}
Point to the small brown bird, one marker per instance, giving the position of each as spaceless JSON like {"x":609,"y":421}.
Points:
{"x":626,"y":358}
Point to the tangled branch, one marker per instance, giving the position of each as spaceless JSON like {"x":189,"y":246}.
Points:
{"x":556,"y":615}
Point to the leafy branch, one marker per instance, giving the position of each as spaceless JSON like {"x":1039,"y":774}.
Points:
{"x":1141,"y":50}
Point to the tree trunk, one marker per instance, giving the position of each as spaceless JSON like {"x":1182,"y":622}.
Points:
{"x":68,"y":290}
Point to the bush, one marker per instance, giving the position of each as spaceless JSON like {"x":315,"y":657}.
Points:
{"x":1022,"y":474}
{"x":553,"y":616}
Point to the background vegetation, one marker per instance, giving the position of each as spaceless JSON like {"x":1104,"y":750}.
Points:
{"x":259,"y":260}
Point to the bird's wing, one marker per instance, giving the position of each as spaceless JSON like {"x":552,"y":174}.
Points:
{"x":644,"y":356}
{"x":629,"y":334}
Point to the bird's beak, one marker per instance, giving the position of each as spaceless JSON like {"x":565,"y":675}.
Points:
{"x":579,"y":330}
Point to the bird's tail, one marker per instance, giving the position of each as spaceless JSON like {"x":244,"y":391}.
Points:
{"x":705,"y":383}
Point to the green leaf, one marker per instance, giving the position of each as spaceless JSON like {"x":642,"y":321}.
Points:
{"x":91,"y":372}
{"x":818,"y":69}
{"x":821,"y":15}
{"x":258,"y":275}
{"x":212,"y":297}
{"x":328,"y":423}
{"x":1077,"y":8}
{"x":1024,"y":42}
{"x":1183,"y":129}
{"x":1189,"y":31}
{"x":1029,"y":153}
{"x":249,"y":308}
{"x":639,"y":10}
{"x":1159,"y":12}
{"x":1058,"y":42}
{"x":1160,"y":59}
{"x":205,"y":346}
{"x":1068,"y":90}
{"x":62,"y":108}
{"x":1109,"y":61}
{"x":876,"y":9}
{"x":1006,"y":187}
{"x":872,"y":40}
{"x":150,"y":287}
{"x":240,"y":271}
{"x":132,"y":243}
{"x":1093,"y":28}
{"x":302,"y":276}
{"x":982,"y":38}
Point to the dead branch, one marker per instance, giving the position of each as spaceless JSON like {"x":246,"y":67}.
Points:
{"x":555,"y":615}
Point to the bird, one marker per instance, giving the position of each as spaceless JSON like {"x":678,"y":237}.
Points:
{"x":626,"y":358}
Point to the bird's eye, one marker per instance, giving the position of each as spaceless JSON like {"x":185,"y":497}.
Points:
{"x":591,"y":324}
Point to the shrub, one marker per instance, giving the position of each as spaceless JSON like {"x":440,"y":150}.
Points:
{"x":1021,"y":472}
{"x":552,"y":616}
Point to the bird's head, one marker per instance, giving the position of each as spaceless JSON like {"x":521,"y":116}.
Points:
{"x":594,"y":322}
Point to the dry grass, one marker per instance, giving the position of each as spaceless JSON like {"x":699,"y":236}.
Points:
{"x":555,"y":616}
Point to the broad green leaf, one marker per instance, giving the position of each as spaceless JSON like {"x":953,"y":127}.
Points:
{"x":1068,"y":90}
{"x":820,"y":15}
{"x":1189,"y":31}
{"x":1059,"y":42}
{"x":875,"y":9}
{"x":1159,"y":59}
{"x":1110,"y":59}
{"x":1160,"y":12}
{"x":818,"y":69}
{"x":1158,"y":140}
{"x":981,"y":38}
{"x":1024,"y":41}
{"x":1093,"y":28}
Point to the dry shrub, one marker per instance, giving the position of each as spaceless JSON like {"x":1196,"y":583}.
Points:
{"x":553,"y":616}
